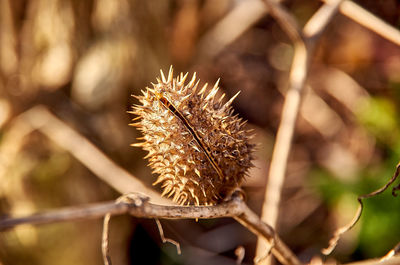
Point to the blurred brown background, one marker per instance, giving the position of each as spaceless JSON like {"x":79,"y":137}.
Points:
{"x":83,"y":59}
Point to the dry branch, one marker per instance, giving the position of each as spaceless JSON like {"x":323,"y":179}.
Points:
{"x":370,"y":21}
{"x":105,"y":241}
{"x":139,"y":206}
{"x":392,"y":261}
{"x":287,"y":22}
{"x":304,"y":45}
{"x":244,"y":15}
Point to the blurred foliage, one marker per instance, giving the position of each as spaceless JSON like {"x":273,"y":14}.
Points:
{"x":380,"y":117}
{"x":83,"y":59}
{"x":380,"y":216}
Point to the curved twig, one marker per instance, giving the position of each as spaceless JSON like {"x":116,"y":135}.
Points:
{"x":164,"y":239}
{"x":104,"y":240}
{"x":338,"y":233}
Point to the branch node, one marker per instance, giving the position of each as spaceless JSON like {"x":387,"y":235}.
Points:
{"x":134,"y":199}
{"x":260,"y":259}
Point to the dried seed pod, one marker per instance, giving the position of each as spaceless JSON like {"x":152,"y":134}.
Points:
{"x":200,"y":151}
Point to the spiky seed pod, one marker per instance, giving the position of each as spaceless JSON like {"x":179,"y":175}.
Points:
{"x":200,"y":151}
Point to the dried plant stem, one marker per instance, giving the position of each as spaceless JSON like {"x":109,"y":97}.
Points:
{"x":164,"y":239}
{"x":394,"y":251}
{"x":284,"y":138}
{"x":287,"y":22}
{"x":252,"y":222}
{"x":333,"y":242}
{"x":305,"y":43}
{"x":304,"y":46}
{"x":139,"y":206}
{"x":370,"y":21}
{"x":41,"y":119}
{"x":391,"y":261}
{"x":240,"y":252}
{"x":66,"y":214}
{"x":104,"y":240}
{"x":244,"y":15}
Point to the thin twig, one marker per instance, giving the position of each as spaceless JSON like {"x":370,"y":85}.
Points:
{"x":392,"y":261}
{"x":304,"y":46}
{"x":286,"y":20}
{"x":164,"y":239}
{"x":395,"y":189}
{"x":134,"y":198}
{"x":243,"y":15}
{"x":317,"y":24}
{"x":338,"y":233}
{"x":105,"y":240}
{"x":252,"y":222}
{"x":247,"y":13}
{"x":139,"y":205}
{"x":260,"y":259}
{"x":280,"y":153}
{"x":67,"y":214}
{"x":393,"y":252}
{"x":41,"y":119}
{"x":370,"y":21}
{"x":240,"y":252}
{"x":284,"y":137}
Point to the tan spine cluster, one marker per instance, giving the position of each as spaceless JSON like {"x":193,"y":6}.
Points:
{"x":200,"y":151}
